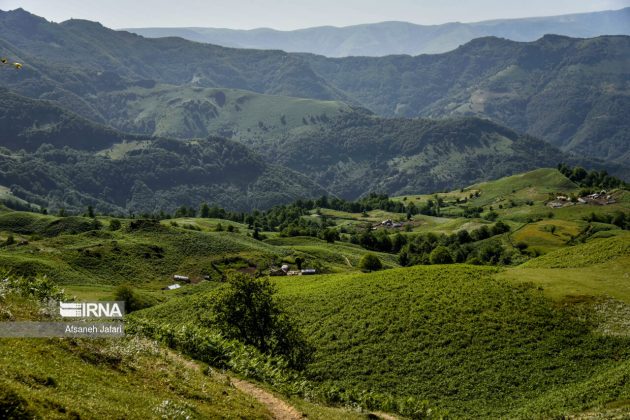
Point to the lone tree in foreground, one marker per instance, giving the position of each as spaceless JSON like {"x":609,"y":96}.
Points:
{"x":370,"y":262}
{"x":247,"y":311}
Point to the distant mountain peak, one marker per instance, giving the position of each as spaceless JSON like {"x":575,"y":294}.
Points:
{"x":21,"y":15}
{"x":81,"y":23}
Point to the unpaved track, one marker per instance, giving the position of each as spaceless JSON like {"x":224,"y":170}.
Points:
{"x":278,"y":408}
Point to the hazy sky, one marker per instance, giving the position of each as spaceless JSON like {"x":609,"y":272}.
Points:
{"x":286,"y":14}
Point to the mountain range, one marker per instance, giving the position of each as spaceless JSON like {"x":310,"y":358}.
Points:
{"x":385,"y":38}
{"x":91,"y":103}
{"x":54,"y":158}
{"x":570,"y":92}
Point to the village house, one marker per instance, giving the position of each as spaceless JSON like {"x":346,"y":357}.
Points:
{"x":179,"y":277}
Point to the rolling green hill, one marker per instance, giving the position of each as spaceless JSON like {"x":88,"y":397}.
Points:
{"x":477,"y":346}
{"x":131,"y":378}
{"x":464,"y":338}
{"x":85,"y":253}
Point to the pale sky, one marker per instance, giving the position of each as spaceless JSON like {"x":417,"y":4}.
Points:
{"x":287,"y":14}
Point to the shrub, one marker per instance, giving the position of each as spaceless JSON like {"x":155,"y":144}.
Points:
{"x":440,"y":255}
{"x":521,"y":246}
{"x":114,"y":224}
{"x":133,"y":300}
{"x":40,"y":288}
{"x":10,"y":240}
{"x":370,"y":262}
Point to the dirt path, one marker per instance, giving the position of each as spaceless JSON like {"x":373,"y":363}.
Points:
{"x":347,"y":261}
{"x":280,"y":409}
{"x":384,"y":416}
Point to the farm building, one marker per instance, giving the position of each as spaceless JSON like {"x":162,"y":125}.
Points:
{"x":275,"y":271}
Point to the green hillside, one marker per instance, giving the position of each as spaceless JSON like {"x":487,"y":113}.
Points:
{"x":597,"y":269}
{"x":399,"y":156}
{"x":595,"y":252}
{"x":393,"y":156}
{"x":477,"y":346}
{"x":86,"y":254}
{"x":131,"y":378}
{"x":191,"y":111}
{"x":551,"y":88}
{"x":27,"y":124}
{"x":467,"y":339}
{"x":152,"y":177}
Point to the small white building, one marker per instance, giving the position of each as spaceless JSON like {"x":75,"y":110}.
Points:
{"x":181,"y":278}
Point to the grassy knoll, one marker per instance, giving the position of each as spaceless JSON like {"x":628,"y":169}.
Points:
{"x":598,"y":269}
{"x":533,"y":185}
{"x":610,"y":279}
{"x":548,"y":234}
{"x":467,"y":341}
{"x":146,"y":255}
{"x":339,"y":256}
{"x":594,"y":252}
